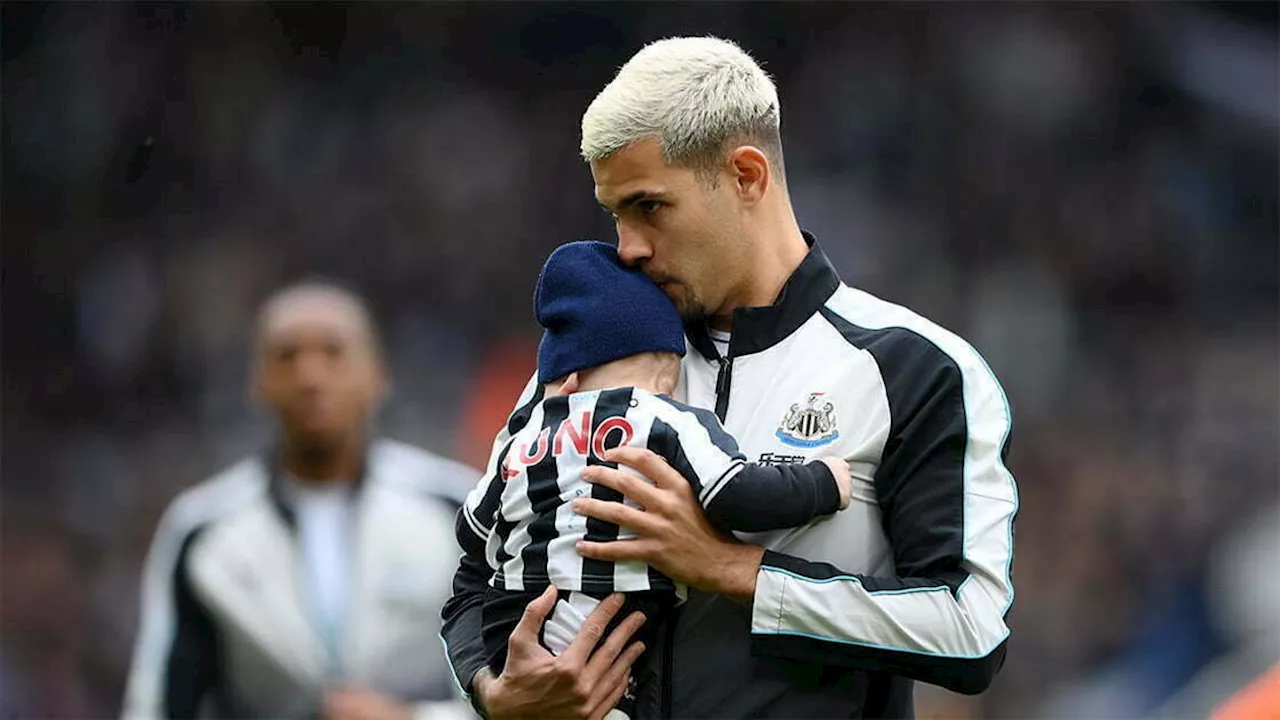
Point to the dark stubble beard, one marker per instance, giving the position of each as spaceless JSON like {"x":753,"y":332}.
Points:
{"x":691,"y":311}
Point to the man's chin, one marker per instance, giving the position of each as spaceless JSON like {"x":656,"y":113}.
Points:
{"x":690,"y":312}
{"x":689,"y":309}
{"x":316,"y":437}
{"x":693,"y":317}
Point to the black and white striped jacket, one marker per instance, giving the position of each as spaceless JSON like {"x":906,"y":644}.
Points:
{"x":912,"y":582}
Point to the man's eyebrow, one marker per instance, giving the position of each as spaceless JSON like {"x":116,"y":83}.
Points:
{"x":631,"y":199}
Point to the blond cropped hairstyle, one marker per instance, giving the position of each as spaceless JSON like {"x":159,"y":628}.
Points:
{"x":696,"y":95}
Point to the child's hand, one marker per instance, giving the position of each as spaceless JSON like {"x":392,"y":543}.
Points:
{"x":844,"y":481}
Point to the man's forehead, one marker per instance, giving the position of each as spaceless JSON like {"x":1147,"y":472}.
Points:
{"x":635,"y":168}
{"x":312,"y":311}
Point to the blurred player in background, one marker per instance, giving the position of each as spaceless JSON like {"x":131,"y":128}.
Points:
{"x":307,"y":581}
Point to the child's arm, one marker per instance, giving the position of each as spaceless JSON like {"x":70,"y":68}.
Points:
{"x":764,"y":497}
{"x":742,"y":496}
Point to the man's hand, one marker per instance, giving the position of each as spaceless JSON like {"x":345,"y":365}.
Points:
{"x":360,"y":704}
{"x":583,"y":682}
{"x":673,"y":534}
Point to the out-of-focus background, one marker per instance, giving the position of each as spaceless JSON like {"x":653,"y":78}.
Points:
{"x":1087,"y":192}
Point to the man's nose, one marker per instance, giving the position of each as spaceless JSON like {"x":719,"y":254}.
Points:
{"x":311,"y":369}
{"x":632,"y":247}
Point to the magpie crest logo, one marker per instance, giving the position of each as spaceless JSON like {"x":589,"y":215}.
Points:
{"x":810,"y":426}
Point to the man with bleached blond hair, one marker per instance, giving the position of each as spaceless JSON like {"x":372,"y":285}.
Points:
{"x":832,"y":619}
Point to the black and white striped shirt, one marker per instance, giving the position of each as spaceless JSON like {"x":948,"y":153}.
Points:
{"x":519,"y":515}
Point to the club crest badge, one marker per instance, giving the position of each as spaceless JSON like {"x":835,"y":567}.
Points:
{"x":813,"y":425}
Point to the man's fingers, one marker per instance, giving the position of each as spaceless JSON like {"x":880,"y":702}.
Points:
{"x":591,"y":631}
{"x":609,"y":700}
{"x":601,"y":710}
{"x":614,"y":684}
{"x":631,"y":486}
{"x":615,"y":550}
{"x":609,"y":652}
{"x":616,"y":513}
{"x":647,"y":463}
{"x":535,"y":613}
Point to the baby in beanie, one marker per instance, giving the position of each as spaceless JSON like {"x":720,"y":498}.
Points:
{"x":620,"y":340}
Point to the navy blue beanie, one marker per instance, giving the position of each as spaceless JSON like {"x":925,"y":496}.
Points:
{"x":596,"y":310}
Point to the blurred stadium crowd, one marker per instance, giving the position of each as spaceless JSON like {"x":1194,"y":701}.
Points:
{"x":1086,"y":192}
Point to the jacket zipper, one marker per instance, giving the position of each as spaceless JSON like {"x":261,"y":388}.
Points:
{"x":724,"y":380}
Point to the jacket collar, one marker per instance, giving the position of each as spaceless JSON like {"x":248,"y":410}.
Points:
{"x":278,"y":491}
{"x":759,"y":328}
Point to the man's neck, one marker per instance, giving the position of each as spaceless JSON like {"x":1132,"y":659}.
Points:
{"x":778,"y":254}
{"x":312,"y":462}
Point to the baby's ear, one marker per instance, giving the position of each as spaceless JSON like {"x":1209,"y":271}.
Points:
{"x":570,"y":384}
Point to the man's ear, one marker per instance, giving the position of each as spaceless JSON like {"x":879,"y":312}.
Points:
{"x":751,"y":172}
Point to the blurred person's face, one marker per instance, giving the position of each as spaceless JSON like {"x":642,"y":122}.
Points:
{"x":690,"y":237}
{"x":318,"y":368}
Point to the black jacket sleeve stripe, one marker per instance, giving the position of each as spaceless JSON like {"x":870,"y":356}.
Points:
{"x":959,"y":675}
{"x":920,"y":482}
{"x":191,"y":671}
{"x":177,"y":665}
{"x":947,"y":506}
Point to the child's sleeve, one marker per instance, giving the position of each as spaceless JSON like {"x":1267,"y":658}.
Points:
{"x":479,"y":511}
{"x":737,"y":495}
